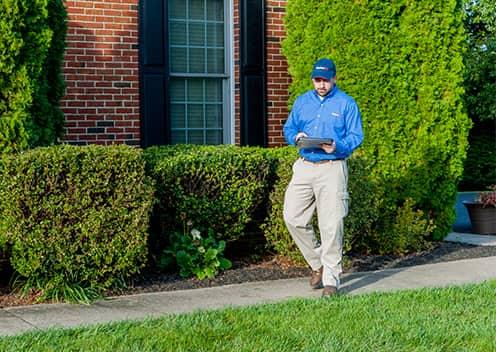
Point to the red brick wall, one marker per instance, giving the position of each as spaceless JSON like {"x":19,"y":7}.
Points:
{"x":278,"y":79}
{"x":101,"y":72}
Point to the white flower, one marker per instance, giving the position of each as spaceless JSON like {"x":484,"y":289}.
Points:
{"x":195,"y":234}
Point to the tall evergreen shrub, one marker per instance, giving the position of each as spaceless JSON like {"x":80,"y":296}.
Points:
{"x":48,"y":119}
{"x":32,"y":34}
{"x":402,"y":62}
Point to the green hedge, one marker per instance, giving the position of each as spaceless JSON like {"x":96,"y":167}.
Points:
{"x":274,"y":228}
{"x":407,"y":227}
{"x":213,"y":187}
{"x":76,"y":218}
{"x":402,"y":62}
{"x":220,"y":187}
{"x":32,"y":34}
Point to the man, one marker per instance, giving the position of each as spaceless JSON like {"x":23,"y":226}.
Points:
{"x":320,"y":175}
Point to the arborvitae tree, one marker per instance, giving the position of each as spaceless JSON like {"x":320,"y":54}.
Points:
{"x":47,"y":117}
{"x":32,"y":35}
{"x":402,"y":62}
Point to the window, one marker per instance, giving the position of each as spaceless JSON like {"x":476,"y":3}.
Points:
{"x":198,"y":72}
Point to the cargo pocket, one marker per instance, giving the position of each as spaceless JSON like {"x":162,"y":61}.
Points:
{"x":343,"y":201}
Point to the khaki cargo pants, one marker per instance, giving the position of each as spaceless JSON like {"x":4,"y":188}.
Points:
{"x":321,"y":186}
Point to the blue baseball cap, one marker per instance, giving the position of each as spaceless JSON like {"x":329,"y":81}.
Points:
{"x":324,"y":68}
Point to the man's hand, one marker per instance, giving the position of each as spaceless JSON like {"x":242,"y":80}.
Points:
{"x":329,"y":148}
{"x":299,"y":135}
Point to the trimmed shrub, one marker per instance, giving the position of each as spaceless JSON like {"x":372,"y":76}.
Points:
{"x":407,"y":227}
{"x":212,"y":187}
{"x":31,"y":47}
{"x":274,"y":228}
{"x":77,"y":218}
{"x":402,"y":62}
{"x":407,"y":232}
{"x":366,"y":209}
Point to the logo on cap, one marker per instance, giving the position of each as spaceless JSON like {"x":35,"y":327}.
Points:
{"x":324,"y":68}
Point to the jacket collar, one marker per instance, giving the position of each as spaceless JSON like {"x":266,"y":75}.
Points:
{"x":329,"y":95}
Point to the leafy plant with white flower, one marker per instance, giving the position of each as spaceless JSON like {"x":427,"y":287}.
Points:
{"x":194,"y":254}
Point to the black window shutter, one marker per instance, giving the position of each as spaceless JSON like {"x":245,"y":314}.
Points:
{"x":252,"y":73}
{"x":153,"y":72}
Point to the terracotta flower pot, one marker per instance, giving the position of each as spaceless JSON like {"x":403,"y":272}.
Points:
{"x":483,"y":219}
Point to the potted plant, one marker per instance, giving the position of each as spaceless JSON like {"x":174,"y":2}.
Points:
{"x":482,"y":212}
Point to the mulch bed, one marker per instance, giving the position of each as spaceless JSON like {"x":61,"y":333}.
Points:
{"x":273,"y":268}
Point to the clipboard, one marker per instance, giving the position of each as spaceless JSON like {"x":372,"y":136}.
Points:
{"x":309,"y":142}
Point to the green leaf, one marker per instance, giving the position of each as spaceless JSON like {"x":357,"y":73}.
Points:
{"x":211,"y":254}
{"x":221,"y":246}
{"x":200,"y":273}
{"x":210,"y":272}
{"x":224,"y":263}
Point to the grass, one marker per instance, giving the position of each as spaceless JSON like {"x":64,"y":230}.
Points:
{"x":450,"y":319}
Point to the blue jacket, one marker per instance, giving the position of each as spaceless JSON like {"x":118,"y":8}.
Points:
{"x":337,"y":116}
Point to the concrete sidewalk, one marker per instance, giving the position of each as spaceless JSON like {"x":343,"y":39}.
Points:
{"x":16,"y":320}
{"x":471,"y":238}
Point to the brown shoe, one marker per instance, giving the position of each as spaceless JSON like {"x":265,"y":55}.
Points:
{"x":316,"y":279}
{"x":329,"y":291}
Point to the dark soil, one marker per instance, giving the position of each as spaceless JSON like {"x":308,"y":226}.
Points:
{"x":273,"y":268}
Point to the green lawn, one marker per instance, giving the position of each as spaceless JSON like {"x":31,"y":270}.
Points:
{"x":451,"y":319}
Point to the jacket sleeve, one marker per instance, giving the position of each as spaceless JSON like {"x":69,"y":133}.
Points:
{"x":291,"y":127}
{"x":354,"y":132}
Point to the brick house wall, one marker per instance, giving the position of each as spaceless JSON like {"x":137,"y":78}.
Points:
{"x":101,"y":70}
{"x":277,"y":76}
